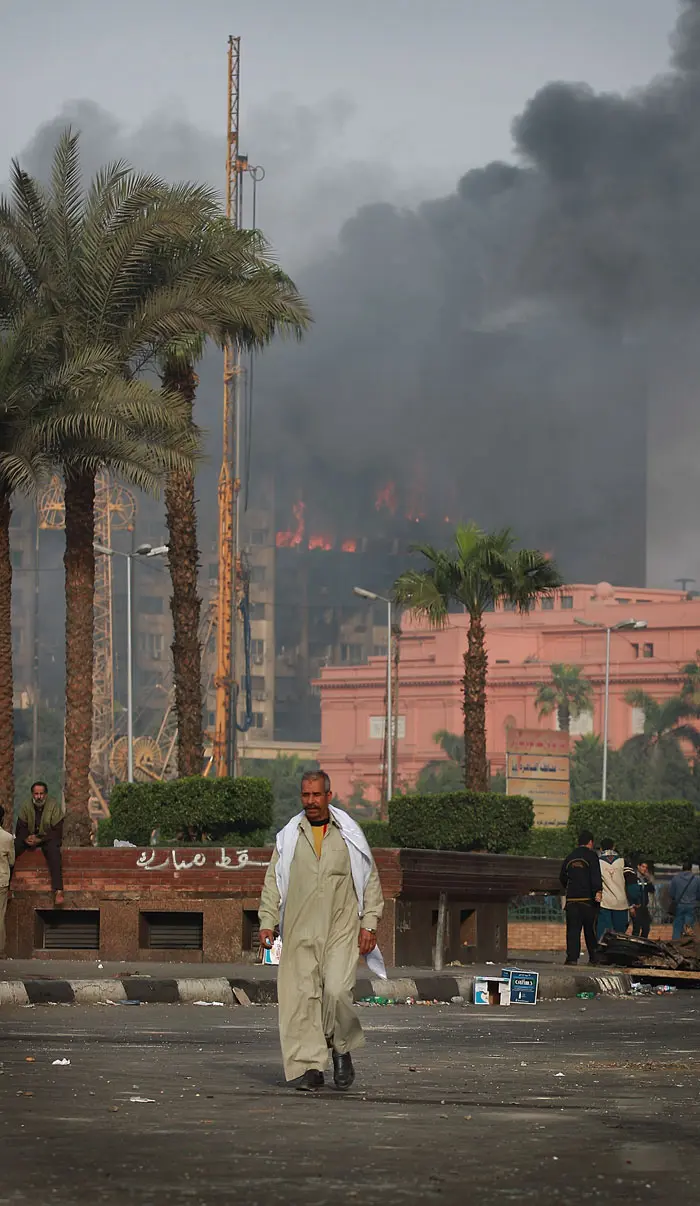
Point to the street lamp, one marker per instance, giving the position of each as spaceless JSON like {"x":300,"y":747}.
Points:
{"x":143,"y":550}
{"x":374,"y":598}
{"x":609,"y":629}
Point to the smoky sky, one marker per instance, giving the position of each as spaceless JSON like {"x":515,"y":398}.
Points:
{"x":521,"y":350}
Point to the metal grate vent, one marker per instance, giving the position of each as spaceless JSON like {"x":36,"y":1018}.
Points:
{"x":71,"y":930}
{"x":172,"y":931}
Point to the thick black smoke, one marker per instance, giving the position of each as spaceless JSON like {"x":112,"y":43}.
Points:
{"x":517,"y":352}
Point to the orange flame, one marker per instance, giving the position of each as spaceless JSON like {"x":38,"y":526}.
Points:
{"x":386,"y":498}
{"x":320,"y":541}
{"x":349,"y":546}
{"x":293,"y":538}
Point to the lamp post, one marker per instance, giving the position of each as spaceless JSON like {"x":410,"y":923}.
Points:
{"x":374,"y":598}
{"x":608,"y":629}
{"x":143,"y":550}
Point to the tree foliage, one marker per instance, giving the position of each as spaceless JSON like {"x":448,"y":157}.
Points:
{"x":568,"y":694}
{"x":482,"y":570}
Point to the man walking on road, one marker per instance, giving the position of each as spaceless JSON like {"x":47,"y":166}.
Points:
{"x":581,"y":880}
{"x":684,"y":895}
{"x":322,"y":888}
{"x":7,"y":858}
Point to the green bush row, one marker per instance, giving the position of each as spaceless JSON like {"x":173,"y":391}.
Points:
{"x":665,"y":832}
{"x":460,"y":820}
{"x":377,"y":833}
{"x":233,"y":812}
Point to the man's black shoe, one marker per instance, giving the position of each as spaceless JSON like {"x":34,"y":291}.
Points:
{"x":570,"y":962}
{"x":310,"y":1080}
{"x":343,"y":1071}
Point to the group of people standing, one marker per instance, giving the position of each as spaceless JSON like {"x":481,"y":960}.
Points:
{"x":605,"y":891}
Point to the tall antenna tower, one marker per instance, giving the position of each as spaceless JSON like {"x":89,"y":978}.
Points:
{"x":224,"y":744}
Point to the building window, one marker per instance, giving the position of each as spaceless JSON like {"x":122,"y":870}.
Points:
{"x":258,"y":720}
{"x":351,"y":654}
{"x":635,"y":648}
{"x":151,"y":678}
{"x":379,"y":651}
{"x":151,"y":644}
{"x":257,"y":651}
{"x":16,"y":558}
{"x":258,"y":574}
{"x":377,"y":727}
{"x":638,"y":719}
{"x":258,"y":536}
{"x":567,"y":602}
{"x":213,"y":569}
{"x":257,"y":611}
{"x":625,"y":601}
{"x":151,"y":605}
{"x":547,"y":604}
{"x":642,"y":600}
{"x":211,"y":719}
{"x":579,"y":726}
{"x":648,"y":650}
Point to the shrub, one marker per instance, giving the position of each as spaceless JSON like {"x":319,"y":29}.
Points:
{"x":224,"y":811}
{"x":546,"y":841}
{"x":665,"y":832}
{"x":377,"y":833}
{"x":460,"y":820}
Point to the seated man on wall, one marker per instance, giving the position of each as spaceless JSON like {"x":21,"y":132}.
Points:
{"x":40,"y":825}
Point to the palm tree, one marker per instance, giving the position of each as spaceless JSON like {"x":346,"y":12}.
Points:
{"x":81,"y":261}
{"x":662,"y":721}
{"x":569,"y":694}
{"x":246,"y":299}
{"x":484,"y":569}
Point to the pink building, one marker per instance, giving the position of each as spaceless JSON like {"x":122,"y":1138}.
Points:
{"x":521,"y":649}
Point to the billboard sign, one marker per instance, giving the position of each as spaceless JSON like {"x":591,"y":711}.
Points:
{"x":537,"y":765}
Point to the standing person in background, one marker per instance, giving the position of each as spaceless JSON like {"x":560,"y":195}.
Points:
{"x":7,"y":858}
{"x":40,"y":826}
{"x":684,"y":897}
{"x":581,"y":880}
{"x":614,"y":905}
{"x":638,"y":893}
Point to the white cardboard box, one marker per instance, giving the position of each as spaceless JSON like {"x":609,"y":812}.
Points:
{"x":491,"y":990}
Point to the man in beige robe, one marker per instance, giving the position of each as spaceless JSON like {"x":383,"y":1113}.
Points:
{"x":323,"y":933}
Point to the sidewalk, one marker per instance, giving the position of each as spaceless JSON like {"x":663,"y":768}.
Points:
{"x":42,"y":982}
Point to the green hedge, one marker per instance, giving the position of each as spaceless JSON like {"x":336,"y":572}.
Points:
{"x":460,"y":820}
{"x":233,"y":812}
{"x":377,"y":833}
{"x":546,"y":842}
{"x":665,"y":832}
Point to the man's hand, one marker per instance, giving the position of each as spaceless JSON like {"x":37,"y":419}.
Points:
{"x":31,"y":840}
{"x":367,"y":942}
{"x":267,"y":937}
{"x":598,"y":897}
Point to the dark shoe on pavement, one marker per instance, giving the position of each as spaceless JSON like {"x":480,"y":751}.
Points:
{"x":310,"y":1081}
{"x":570,"y":962}
{"x":343,"y":1071}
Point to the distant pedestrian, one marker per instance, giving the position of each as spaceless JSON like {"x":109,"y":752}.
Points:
{"x":638,"y":895}
{"x":614,"y":905}
{"x":7,"y":858}
{"x":40,"y":826}
{"x":684,"y":897}
{"x":581,"y":880}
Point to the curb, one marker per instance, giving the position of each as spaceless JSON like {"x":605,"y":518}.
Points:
{"x":140,"y":990}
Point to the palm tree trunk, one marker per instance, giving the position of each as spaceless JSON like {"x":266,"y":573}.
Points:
{"x":7,"y":716}
{"x":79,"y":563}
{"x":185,"y":603}
{"x":564,"y":718}
{"x":476,"y":771}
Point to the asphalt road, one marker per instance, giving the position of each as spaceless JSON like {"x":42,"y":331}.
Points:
{"x":568,"y":1102}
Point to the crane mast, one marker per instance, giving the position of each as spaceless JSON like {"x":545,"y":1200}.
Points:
{"x":224,"y":743}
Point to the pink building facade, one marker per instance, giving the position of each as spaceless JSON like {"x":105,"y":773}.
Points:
{"x":521,"y":650}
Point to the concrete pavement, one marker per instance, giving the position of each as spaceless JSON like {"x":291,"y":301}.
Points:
{"x":572,"y":1102}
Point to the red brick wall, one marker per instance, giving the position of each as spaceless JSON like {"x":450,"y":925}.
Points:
{"x":546,"y":936}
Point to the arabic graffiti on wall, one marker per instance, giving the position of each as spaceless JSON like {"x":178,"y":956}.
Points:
{"x":160,"y":860}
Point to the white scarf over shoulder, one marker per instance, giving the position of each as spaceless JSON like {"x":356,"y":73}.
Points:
{"x":360,"y":866}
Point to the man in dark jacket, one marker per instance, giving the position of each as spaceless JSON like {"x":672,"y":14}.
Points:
{"x":582,"y":882}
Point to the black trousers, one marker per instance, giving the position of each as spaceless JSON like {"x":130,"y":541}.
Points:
{"x":52,"y":853}
{"x":641,"y":922}
{"x":580,"y":916}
